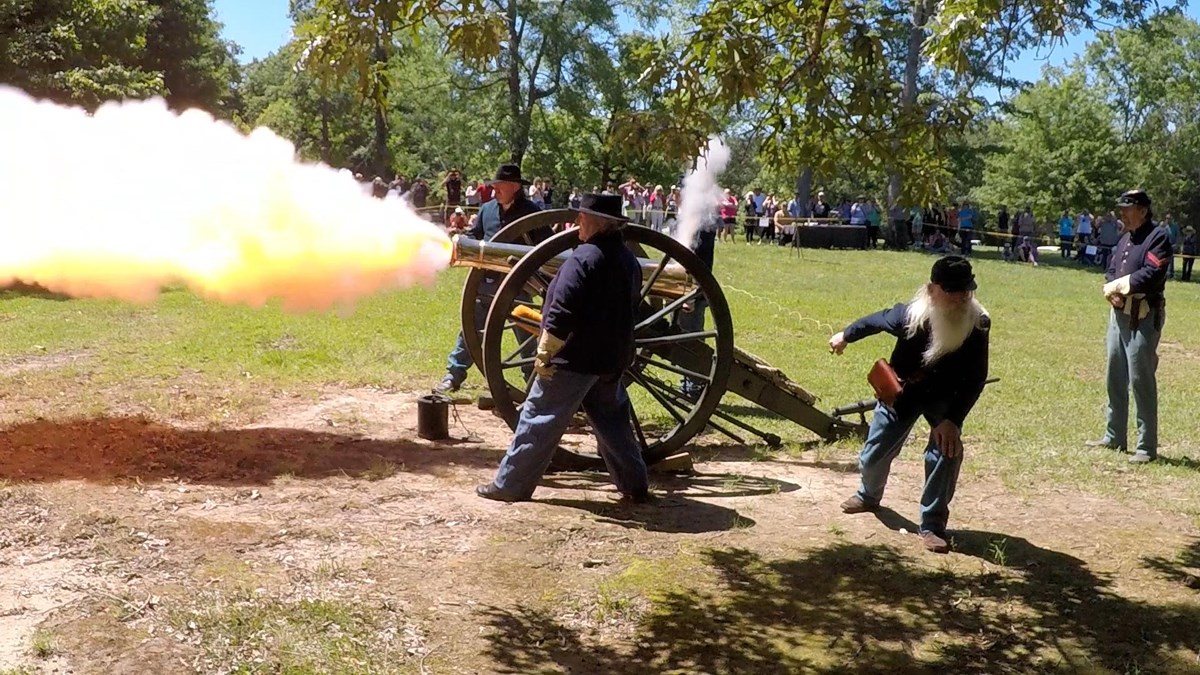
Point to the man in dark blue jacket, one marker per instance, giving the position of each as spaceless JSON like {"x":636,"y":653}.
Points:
{"x":509,"y":204}
{"x":585,"y":346}
{"x":941,"y":359}
{"x":1136,"y":276}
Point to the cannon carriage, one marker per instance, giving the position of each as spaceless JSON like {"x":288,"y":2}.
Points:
{"x":501,"y":304}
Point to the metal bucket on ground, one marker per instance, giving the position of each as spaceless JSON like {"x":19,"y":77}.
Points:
{"x":433,"y":417}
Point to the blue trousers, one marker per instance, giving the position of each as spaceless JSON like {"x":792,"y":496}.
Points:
{"x":544,"y":418}
{"x":459,"y":361}
{"x":885,"y":438}
{"x":1133,"y":362}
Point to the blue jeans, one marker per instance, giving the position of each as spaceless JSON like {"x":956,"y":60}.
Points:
{"x":1133,"y":361}
{"x":460,"y":361}
{"x":545,"y":416}
{"x":885,"y":438}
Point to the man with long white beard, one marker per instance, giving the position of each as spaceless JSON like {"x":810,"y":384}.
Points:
{"x":941,"y":362}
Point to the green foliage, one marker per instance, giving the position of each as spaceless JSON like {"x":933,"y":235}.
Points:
{"x":1060,"y":151}
{"x":841,"y":87}
{"x":1126,"y":115}
{"x":198,"y":68}
{"x":1150,"y":77}
{"x":77,"y":51}
{"x":435,"y":121}
{"x":88,"y":51}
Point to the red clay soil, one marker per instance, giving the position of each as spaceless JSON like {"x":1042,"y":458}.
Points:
{"x":116,"y":449}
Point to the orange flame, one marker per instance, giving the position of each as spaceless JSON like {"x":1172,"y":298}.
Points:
{"x":122,"y":202}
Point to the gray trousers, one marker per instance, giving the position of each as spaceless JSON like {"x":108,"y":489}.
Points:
{"x":1132,"y":363}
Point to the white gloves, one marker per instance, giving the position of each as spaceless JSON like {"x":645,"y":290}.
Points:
{"x":548,"y":346}
{"x":1117,"y":287}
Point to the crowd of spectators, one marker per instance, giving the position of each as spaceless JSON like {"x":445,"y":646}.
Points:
{"x":766,"y":218}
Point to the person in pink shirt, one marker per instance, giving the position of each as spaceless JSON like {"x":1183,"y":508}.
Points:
{"x":729,"y":210}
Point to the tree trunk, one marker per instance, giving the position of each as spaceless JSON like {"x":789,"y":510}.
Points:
{"x":326,"y":144}
{"x":518,"y":140}
{"x":908,"y":97}
{"x":519,"y":143}
{"x":380,"y":159}
{"x":804,"y":190}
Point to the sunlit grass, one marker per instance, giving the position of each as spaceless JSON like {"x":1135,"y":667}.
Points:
{"x":1047,"y":349}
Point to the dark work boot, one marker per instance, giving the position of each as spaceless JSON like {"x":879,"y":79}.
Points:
{"x":856,"y":504}
{"x":934,"y":542}
{"x":490,"y":491}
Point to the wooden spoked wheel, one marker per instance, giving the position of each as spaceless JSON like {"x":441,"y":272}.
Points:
{"x":482,"y":282}
{"x":665,"y":418}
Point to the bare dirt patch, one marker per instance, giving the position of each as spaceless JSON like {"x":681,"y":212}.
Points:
{"x":38,"y":362}
{"x":326,"y":537}
{"x":1179,"y":352}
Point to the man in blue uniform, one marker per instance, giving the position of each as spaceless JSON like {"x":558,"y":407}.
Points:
{"x":509,"y":204}
{"x":585,"y":346}
{"x":1136,"y":276}
{"x":941,"y":359}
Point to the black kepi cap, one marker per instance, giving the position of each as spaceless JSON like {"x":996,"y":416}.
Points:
{"x":1134,"y":198}
{"x":953,"y":274}
{"x":605,"y":206}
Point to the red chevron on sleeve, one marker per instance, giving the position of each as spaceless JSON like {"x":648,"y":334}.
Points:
{"x":1154,"y":260}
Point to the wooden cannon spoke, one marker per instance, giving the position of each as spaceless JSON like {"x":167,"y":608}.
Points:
{"x":517,"y":363}
{"x":522,"y":348}
{"x":668,"y":391}
{"x":538,"y":283}
{"x":662,"y":265}
{"x":637,"y":426}
{"x":674,"y":368}
{"x":661,"y":340}
{"x":664,"y":402}
{"x":690,"y":296}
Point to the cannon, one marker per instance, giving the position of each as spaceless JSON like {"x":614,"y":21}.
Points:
{"x":508,"y":278}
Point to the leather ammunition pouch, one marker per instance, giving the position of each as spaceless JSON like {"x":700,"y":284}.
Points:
{"x":885,"y":383}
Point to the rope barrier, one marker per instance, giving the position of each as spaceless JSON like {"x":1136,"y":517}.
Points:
{"x":744,"y":220}
{"x":783,"y":311}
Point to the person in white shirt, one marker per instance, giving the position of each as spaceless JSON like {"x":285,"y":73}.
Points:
{"x":1083,"y":229}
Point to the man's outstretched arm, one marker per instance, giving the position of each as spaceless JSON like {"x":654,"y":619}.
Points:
{"x":889,"y":321}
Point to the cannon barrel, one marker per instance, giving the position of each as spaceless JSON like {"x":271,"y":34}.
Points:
{"x":673,"y":281}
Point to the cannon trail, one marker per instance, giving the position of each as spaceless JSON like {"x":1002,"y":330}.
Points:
{"x":134,"y":197}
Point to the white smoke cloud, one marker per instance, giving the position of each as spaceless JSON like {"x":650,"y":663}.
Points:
{"x":701,"y":195}
{"x":121,"y":202}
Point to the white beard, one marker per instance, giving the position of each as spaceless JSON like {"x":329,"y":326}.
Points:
{"x":948,"y":328}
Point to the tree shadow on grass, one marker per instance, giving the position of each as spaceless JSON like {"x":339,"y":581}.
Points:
{"x":667,"y":514}
{"x":850,"y":607}
{"x":707,"y":485}
{"x":109,"y":449}
{"x":1184,"y":462}
{"x":1184,"y":568}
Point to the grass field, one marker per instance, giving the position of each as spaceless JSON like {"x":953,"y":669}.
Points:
{"x":1123,"y":598}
